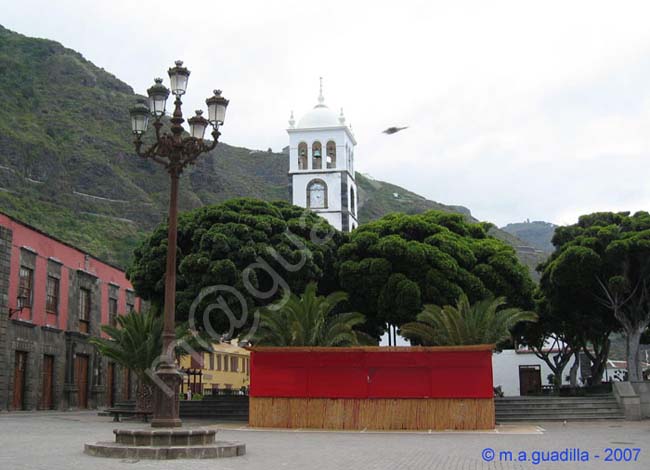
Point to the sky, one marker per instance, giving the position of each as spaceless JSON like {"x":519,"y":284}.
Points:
{"x":516,"y":109}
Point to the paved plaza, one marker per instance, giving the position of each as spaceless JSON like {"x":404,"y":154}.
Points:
{"x":53,"y":440}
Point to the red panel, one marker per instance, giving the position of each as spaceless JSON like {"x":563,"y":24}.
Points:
{"x":344,"y":382}
{"x":372,"y":374}
{"x":397,"y":359}
{"x":282,"y":359}
{"x":278,"y":382}
{"x":408,"y":382}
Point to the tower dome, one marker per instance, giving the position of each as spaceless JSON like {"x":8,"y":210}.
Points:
{"x":319,"y":116}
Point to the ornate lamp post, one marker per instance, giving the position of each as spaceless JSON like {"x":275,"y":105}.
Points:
{"x":174,"y":151}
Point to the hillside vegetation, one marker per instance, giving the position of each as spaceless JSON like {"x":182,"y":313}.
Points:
{"x":67,"y":164}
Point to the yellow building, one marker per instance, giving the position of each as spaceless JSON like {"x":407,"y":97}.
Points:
{"x":226,"y":368}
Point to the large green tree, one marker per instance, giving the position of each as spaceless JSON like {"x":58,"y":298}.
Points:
{"x":237,"y":256}
{"x":554,"y":337}
{"x":392,"y":266}
{"x":599,"y":273}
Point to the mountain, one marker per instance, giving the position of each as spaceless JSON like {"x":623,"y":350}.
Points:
{"x":537,"y":234}
{"x":67,"y":164}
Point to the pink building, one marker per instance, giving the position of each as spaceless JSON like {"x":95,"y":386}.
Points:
{"x":53,"y":298}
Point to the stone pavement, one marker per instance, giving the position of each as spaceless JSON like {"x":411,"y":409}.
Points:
{"x":54,"y":440}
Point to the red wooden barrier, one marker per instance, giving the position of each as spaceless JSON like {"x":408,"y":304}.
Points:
{"x":415,"y":372}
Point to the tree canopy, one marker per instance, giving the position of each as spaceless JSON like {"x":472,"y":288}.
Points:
{"x":252,"y":249}
{"x":392,"y":266}
{"x":600,"y":273}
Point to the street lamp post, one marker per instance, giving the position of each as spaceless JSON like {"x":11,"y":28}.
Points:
{"x":174,"y":151}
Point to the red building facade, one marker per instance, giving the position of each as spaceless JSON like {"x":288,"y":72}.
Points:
{"x":53,"y":298}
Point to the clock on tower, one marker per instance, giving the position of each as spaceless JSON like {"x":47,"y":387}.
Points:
{"x":321,"y":168}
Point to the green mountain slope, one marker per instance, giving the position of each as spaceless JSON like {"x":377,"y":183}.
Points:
{"x":537,"y":234}
{"x":67,"y":164}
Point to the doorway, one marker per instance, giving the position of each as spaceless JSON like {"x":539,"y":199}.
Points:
{"x":81,"y":374}
{"x":530,"y":380}
{"x":47,"y":391}
{"x":20,"y":369}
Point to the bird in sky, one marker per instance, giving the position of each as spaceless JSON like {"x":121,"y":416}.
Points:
{"x":393,"y":130}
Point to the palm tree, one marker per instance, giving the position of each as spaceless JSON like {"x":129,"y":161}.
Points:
{"x":308,"y":321}
{"x":480,"y":323}
{"x":135,"y":343}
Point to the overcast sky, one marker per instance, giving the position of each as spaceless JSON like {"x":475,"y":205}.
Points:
{"x":517,"y":109}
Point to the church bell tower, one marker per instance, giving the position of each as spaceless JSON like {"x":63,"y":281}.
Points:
{"x":321,"y":167}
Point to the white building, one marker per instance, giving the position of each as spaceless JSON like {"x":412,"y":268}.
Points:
{"x":321,"y":169}
{"x":518,"y":370}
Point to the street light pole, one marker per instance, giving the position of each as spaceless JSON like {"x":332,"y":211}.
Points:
{"x":174,"y":152}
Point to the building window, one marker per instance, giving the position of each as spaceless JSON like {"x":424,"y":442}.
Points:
{"x":84,"y":310}
{"x":225,"y":363}
{"x":331,"y":154}
{"x":302,"y":156}
{"x":316,"y":156}
{"x":129,"y":307}
{"x":112,"y":312}
{"x":52,"y":301}
{"x":218,"y":361}
{"x":234,"y":364}
{"x":211,"y":361}
{"x":196,"y":361}
{"x":353,"y":209}
{"x":317,"y":194}
{"x":26,"y":287}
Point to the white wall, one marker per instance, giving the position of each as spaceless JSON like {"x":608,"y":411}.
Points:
{"x":331,"y":176}
{"x":333,"y":182}
{"x":505,"y":369}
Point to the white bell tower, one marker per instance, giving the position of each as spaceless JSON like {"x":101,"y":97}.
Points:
{"x":321,"y":167}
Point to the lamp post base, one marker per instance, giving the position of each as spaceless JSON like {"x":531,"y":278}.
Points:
{"x":166,"y":399}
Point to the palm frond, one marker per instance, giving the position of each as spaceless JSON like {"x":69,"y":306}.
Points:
{"x":307,"y":320}
{"x":464,"y":324}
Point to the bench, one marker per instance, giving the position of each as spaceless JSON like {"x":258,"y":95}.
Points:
{"x":127,"y":408}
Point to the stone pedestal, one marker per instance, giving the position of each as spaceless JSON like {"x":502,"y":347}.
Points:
{"x":164,"y":444}
{"x":166,"y":400}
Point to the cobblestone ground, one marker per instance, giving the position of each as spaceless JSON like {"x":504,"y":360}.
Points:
{"x":55,"y":441}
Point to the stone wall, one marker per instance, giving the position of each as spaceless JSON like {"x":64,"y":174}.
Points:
{"x":5,"y":258}
{"x":36,"y":342}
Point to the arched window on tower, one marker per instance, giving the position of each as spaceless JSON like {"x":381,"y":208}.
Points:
{"x":331,"y":154}
{"x":316,"y":156}
{"x":317,"y":194}
{"x":302,"y":156}
{"x":353,"y":208}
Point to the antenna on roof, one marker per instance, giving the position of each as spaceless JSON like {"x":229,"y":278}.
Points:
{"x":321,"y":98}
